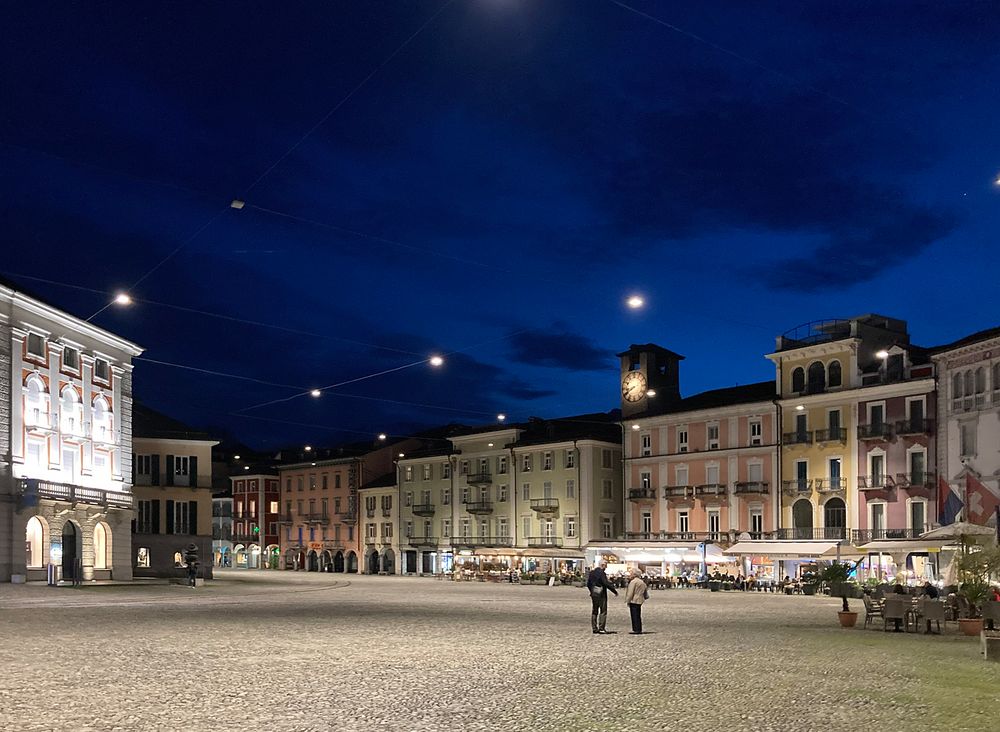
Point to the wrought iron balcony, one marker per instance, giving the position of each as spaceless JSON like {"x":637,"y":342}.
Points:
{"x":710,"y":490}
{"x":799,"y":437}
{"x":923,"y":481}
{"x":545,"y":505}
{"x":915,"y":427}
{"x":246,"y":538}
{"x":830,"y":533}
{"x":423,"y":509}
{"x":284,"y":518}
{"x":479,"y":507}
{"x":797,"y":486}
{"x":540,"y":542}
{"x":479,"y":478}
{"x":837,"y":434}
{"x":74,"y":493}
{"x":863,"y":536}
{"x":679,"y":491}
{"x":473,"y":542}
{"x":875,"y":483}
{"x":642,"y":495}
{"x":348,"y":517}
{"x":422,"y":541}
{"x":830,"y":485}
{"x":316,"y":518}
{"x":877,"y":431}
{"x":692,"y":536}
{"x":751,"y":486}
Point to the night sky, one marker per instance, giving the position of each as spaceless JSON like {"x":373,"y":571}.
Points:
{"x":508,"y":174}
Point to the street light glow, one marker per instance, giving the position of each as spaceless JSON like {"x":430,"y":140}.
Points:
{"x":381,"y":435}
{"x":651,"y":392}
{"x":236,"y":457}
{"x":882,"y":354}
{"x":501,"y":417}
{"x":436,"y":361}
{"x":402,"y":454}
{"x":799,"y":407}
{"x":308,"y":448}
{"x":122,"y":298}
{"x":315,"y":392}
{"x":635,"y":302}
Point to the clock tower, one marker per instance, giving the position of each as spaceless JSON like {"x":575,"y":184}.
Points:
{"x":645,"y":369}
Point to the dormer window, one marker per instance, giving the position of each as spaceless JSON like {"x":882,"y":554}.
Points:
{"x":36,"y":345}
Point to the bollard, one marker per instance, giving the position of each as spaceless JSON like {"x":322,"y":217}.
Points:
{"x":50,"y":572}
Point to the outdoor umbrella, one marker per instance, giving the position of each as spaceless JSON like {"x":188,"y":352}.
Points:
{"x":958,"y":530}
{"x":951,"y":573}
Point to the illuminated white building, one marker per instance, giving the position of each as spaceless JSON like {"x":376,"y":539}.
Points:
{"x":65,"y":443}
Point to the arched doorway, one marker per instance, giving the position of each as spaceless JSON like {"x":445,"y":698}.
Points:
{"x":835,"y":519}
{"x":338,"y":562}
{"x":34,"y":542}
{"x":372,"y":562}
{"x":273,"y":555}
{"x":312,"y":561}
{"x":291,"y":559}
{"x":352,"y":563}
{"x":326,"y":561}
{"x":70,"y":550}
{"x":388,"y":561}
{"x":802,"y":519}
{"x":240,"y":556}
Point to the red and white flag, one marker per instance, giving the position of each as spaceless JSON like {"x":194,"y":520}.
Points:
{"x":981,"y":501}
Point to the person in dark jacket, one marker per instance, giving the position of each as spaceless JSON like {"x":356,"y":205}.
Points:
{"x":598,"y":584}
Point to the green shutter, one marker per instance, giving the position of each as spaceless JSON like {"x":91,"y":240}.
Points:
{"x":170,"y":516}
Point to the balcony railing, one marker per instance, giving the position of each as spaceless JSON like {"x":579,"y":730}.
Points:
{"x":692,"y":536}
{"x":710,"y":490}
{"x":863,"y":536}
{"x":796,"y":486}
{"x":316,"y":518}
{"x":915,"y":427}
{"x":422,"y":541}
{"x":74,"y":493}
{"x":837,"y":434}
{"x":642,"y":495}
{"x":473,"y":542}
{"x":479,"y":507}
{"x":925,"y":480}
{"x":877,"y":431}
{"x":751,"y":486}
{"x":799,"y":437}
{"x":284,"y":518}
{"x":423,"y":509}
{"x":875,"y":483}
{"x":348,"y":517}
{"x":479,"y":478}
{"x":830,"y":533}
{"x":540,"y":542}
{"x":545,"y":505}
{"x":830,"y":485}
{"x":679,"y":491}
{"x":246,"y":538}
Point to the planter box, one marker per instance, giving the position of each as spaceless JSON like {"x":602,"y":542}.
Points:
{"x":808,"y":589}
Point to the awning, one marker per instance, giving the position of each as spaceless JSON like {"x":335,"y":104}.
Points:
{"x":786,"y":549}
{"x":890,"y":546}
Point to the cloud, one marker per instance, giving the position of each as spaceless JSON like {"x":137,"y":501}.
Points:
{"x":558,"y":347}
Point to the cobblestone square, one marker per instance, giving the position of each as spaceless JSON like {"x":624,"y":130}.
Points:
{"x":298,"y":651}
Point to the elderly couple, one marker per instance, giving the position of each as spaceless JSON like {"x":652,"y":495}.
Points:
{"x":599,"y":584}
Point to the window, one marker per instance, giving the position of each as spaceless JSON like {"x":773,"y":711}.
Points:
{"x":71,"y":359}
{"x":336,"y":505}
{"x":71,"y":417}
{"x":370,"y":531}
{"x":647,"y":444}
{"x":387,"y":529}
{"x":101,"y":419}
{"x":645,"y":480}
{"x":713,"y":437}
{"x":465,"y":528}
{"x":102,"y":465}
{"x":682,"y":522}
{"x":918,"y":516}
{"x":445,"y":470}
{"x":143,"y":469}
{"x":967,"y":439}
{"x":755,"y":472}
{"x":503,"y":530}
{"x":712,"y":474}
{"x":336,"y":481}
{"x":799,"y":380}
{"x":526,"y":526}
{"x":833,"y":422}
{"x":272,"y":507}
{"x":36,"y":449}
{"x":571,"y":527}
{"x":180,"y":465}
{"x":570,"y":459}
{"x":427,"y":471}
{"x":408,"y":473}
{"x":501,"y":493}
{"x":484,"y":528}
{"x":298,"y":508}
{"x":299,"y":483}
{"x":312,"y":482}
{"x":36,"y":345}
{"x":408,"y":498}
{"x":288,"y":485}
{"x":714,"y":522}
{"x":142,"y":557}
{"x":877,"y":463}
{"x":756,"y":432}
{"x":681,"y":475}
{"x":682,"y":439}
{"x":876,"y":415}
{"x":833,"y":467}
{"x":100,"y":546}
{"x":833,"y":374}
{"x":606,"y":459}
{"x":571,"y":489}
{"x":918,"y":463}
{"x":526,"y":491}
{"x":607,"y":527}
{"x":102,"y":370}
{"x":502,"y":465}
{"x":547,"y":489}
{"x":463,"y":467}
{"x":756,"y":521}
{"x":526,"y":463}
{"x":877,"y":516}
{"x":37,"y":404}
{"x":446,"y":497}
{"x":325,"y":481}
{"x":817,"y":377}
{"x":547,"y":461}
{"x":465,"y":494}
{"x":646,"y":525}
{"x":606,"y":489}
{"x":181,"y":516}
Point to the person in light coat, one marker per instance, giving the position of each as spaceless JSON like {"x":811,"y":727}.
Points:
{"x":635,"y":595}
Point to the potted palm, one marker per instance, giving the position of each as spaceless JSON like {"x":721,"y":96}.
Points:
{"x":837,"y":577}
{"x":975,"y":565}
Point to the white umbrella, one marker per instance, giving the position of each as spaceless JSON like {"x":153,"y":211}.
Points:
{"x":951,"y":573}
{"x":958,"y":530}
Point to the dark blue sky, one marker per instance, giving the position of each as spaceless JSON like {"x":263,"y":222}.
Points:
{"x":497,"y":188}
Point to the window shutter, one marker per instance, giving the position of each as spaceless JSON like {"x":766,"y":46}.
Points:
{"x":192,"y":516}
{"x":155,"y":517}
{"x":170,"y":515}
{"x":133,"y":476}
{"x":193,"y":472}
{"x":154,"y":469}
{"x":170,"y":470}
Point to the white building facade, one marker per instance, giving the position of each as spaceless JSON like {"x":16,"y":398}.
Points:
{"x":65,"y":444}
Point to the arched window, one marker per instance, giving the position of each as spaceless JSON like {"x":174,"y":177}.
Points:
{"x":72,"y":412}
{"x":36,"y":407}
{"x":802,"y":519}
{"x":980,"y":380}
{"x":969,"y":383}
{"x":817,"y":377}
{"x":100,"y":546}
{"x":834,"y":519}
{"x":798,"y":379}
{"x":996,"y":377}
{"x":956,"y":386}
{"x":102,"y":420}
{"x":833,"y":373}
{"x":34,"y":543}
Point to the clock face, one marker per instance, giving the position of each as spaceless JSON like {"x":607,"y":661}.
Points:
{"x":633,"y":386}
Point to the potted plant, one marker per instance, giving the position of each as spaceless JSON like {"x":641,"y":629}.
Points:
{"x":837,"y":576}
{"x":975,"y":565}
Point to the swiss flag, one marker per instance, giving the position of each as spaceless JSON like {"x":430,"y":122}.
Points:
{"x":981,"y":501}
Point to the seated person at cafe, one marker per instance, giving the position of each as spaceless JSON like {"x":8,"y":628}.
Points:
{"x":930,"y":591}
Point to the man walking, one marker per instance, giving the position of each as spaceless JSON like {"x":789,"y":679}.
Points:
{"x":598,"y":584}
{"x":635,"y":595}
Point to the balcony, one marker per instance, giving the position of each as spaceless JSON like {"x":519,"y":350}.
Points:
{"x":422,"y":541}
{"x":479,"y":478}
{"x":316,"y":518}
{"x":710,"y":490}
{"x":875,"y":483}
{"x":912,"y":427}
{"x":642,"y":495}
{"x":386,"y":513}
{"x":829,"y":533}
{"x":863,"y":536}
{"x":837,"y":434}
{"x":692,"y":536}
{"x":751,"y":487}
{"x":830,"y":485}
{"x":543,"y":542}
{"x":74,"y":493}
{"x":423,"y":509}
{"x":917,"y":481}
{"x":475,"y":542}
{"x":479,"y":507}
{"x":246,"y":538}
{"x":679,"y":492}
{"x":40,"y":423}
{"x":799,"y":437}
{"x":348,"y":517}
{"x":797,"y":486}
{"x":545,"y":505}
{"x":284,"y":518}
{"x":874,"y":432}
